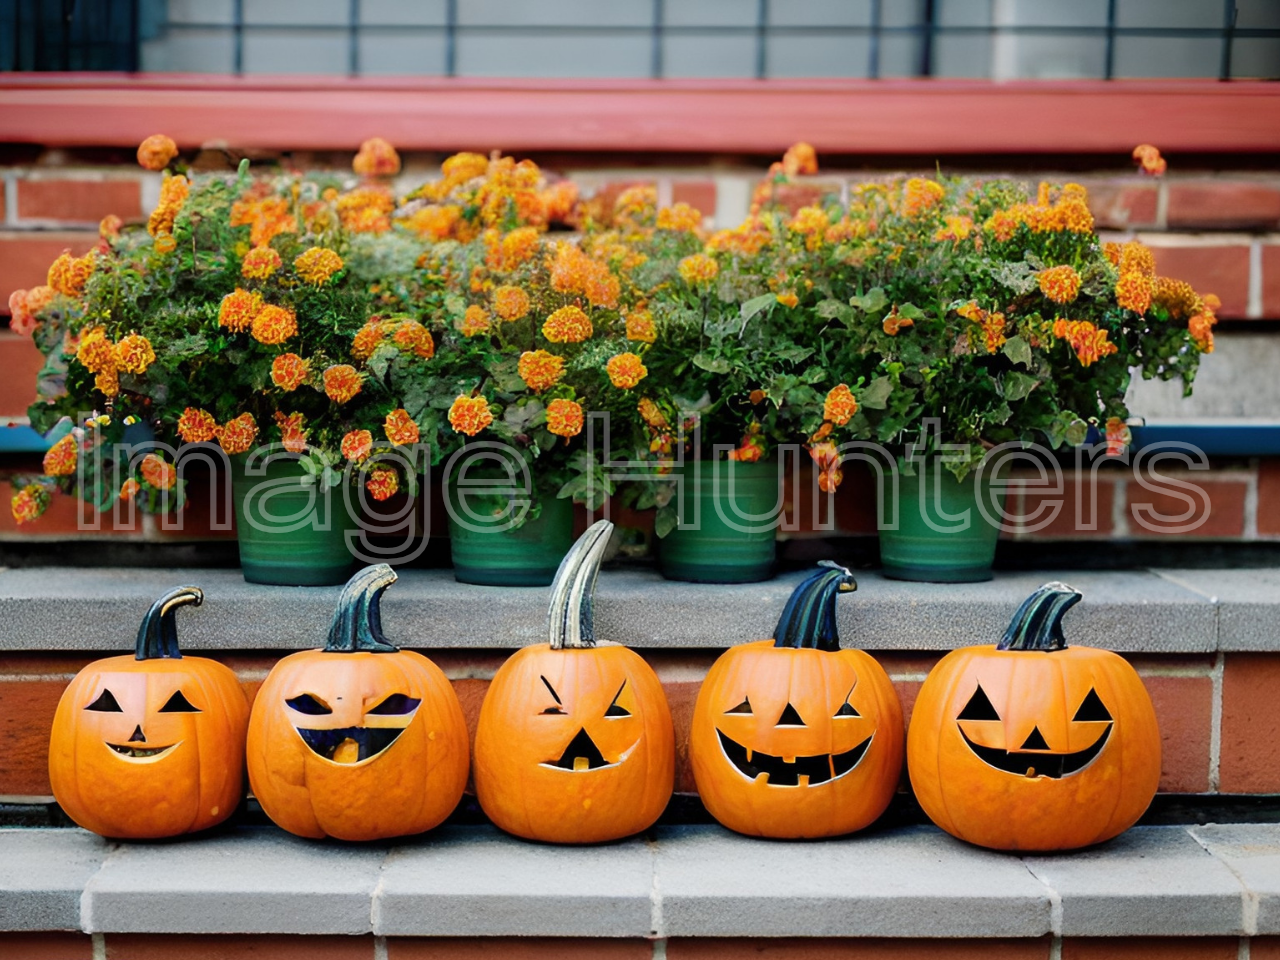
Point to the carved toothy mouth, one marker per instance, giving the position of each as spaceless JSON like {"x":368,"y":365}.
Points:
{"x":781,"y":772}
{"x":582,"y":755}
{"x":366,"y":742}
{"x":141,"y":753}
{"x":1025,"y":764}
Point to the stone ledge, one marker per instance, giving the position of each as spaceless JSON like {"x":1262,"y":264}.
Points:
{"x":692,"y":881}
{"x":1153,"y":611}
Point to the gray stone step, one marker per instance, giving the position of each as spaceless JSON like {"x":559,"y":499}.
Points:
{"x":676,"y":881}
{"x":1151,"y":611}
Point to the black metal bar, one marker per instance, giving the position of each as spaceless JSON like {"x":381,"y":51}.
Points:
{"x":237,"y":27}
{"x":1109,"y":69}
{"x":762,"y":25}
{"x":135,"y":36}
{"x":1230,"y":12}
{"x":451,"y":38}
{"x":928,"y":26}
{"x":68,"y":11}
{"x":655,"y":54}
{"x":353,"y":39}
{"x":873,"y":55}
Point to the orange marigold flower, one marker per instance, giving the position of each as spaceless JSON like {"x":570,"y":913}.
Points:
{"x":539,"y":369}
{"x":109,"y":227}
{"x":60,"y":459}
{"x":260,"y":263}
{"x":134,"y":354}
{"x":1201,"y":329}
{"x":1059,"y":284}
{"x":157,"y":472}
{"x":894,"y":322}
{"x":993,"y":325}
{"x":681,"y":217}
{"x":289,"y":371}
{"x":640,"y":327}
{"x":368,"y":338}
{"x":366,"y":210}
{"x":413,"y":336}
{"x":470,"y":415}
{"x":357,"y":445}
{"x":840,"y":405}
{"x":237,"y":435}
{"x":1118,"y":435}
{"x":400,"y":427}
{"x":274,"y":325}
{"x":383,"y":483}
{"x":1133,"y":292}
{"x":462,"y":167}
{"x":1149,"y":159}
{"x":434,"y":222}
{"x":564,"y":418}
{"x":1088,"y":341}
{"x":826,"y":457}
{"x":95,"y":352}
{"x":625,"y":370}
{"x":29,"y":503}
{"x":1176,"y":296}
{"x":920,"y":196}
{"x":810,"y":222}
{"x":651,"y":414}
{"x":376,"y":158}
{"x":317,"y":265}
{"x":155,"y":152}
{"x":751,"y":450}
{"x":173,"y":196}
{"x":971,"y":311}
{"x":68,"y":274}
{"x":800,"y":159}
{"x":1003,"y":224}
{"x":197,"y":426}
{"x":1112,"y":252}
{"x":1136,"y":257}
{"x":955,"y":228}
{"x":341,"y":382}
{"x":518,"y":247}
{"x":1073,"y":215}
{"x":474,"y":322}
{"x":510,"y":303}
{"x":238,"y":310}
{"x":130,"y":489}
{"x":165,"y":243}
{"x":636,"y":202}
{"x":567,"y":325}
{"x":108,"y":382}
{"x":291,"y":432}
{"x":698,"y":269}
{"x":788,"y":298}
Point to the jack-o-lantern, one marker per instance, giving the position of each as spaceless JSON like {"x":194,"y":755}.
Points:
{"x":150,"y":745}
{"x":794,"y":737}
{"x":575,"y":743}
{"x":360,"y":740}
{"x":1031,"y":744}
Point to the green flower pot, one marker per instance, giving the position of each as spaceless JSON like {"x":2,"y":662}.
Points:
{"x":920,"y":551}
{"x":716,"y":551}
{"x":524,"y":556}
{"x":290,"y":534}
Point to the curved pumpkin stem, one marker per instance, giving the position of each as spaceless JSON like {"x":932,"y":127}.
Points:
{"x":809,"y":618}
{"x":570,"y":619}
{"x":1038,"y":623}
{"x":158,"y":634}
{"x":357,"y":621}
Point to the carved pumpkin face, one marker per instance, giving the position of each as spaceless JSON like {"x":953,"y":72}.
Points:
{"x":357,"y":744}
{"x":152,"y":745}
{"x":794,"y":742}
{"x":1040,"y":747}
{"x":575,"y":743}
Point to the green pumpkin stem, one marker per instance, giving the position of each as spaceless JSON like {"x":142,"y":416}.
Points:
{"x":357,"y":620}
{"x":570,"y":618}
{"x":1038,"y":623}
{"x":158,"y":634}
{"x":809,"y":618}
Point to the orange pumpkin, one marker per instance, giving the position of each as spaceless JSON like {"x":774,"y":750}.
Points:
{"x":150,"y":745}
{"x":360,"y":740}
{"x":794,"y":737}
{"x":1034,"y":745}
{"x":575,"y":743}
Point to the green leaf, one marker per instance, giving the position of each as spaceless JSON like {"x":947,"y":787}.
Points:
{"x":1018,"y":350}
{"x":834,"y":310}
{"x":871,"y":301}
{"x":712,"y":364}
{"x":794,"y":352}
{"x":1077,"y":432}
{"x":911,"y":311}
{"x":665,"y":521}
{"x":1017,"y":385}
{"x":756,"y":305}
{"x":814,"y":374}
{"x":875,"y":395}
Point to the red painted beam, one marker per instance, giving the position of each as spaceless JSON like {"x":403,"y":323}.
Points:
{"x":928,"y":117}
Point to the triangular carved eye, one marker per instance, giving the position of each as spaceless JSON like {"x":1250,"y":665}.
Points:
{"x":1092,"y":709}
{"x":978,"y":708}
{"x":743,"y":707}
{"x":846,"y":710}
{"x":790,"y":717}
{"x":106,"y":703}
{"x":179,"y":704}
{"x":616,"y":709}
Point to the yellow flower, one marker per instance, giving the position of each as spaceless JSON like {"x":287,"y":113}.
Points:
{"x":1133,"y":292}
{"x":237,"y":435}
{"x":341,"y":382}
{"x":289,"y":371}
{"x":1059,"y":284}
{"x":173,"y":195}
{"x":540,"y":369}
{"x":400,"y":427}
{"x":274,"y":325}
{"x":564,"y":418}
{"x":413,"y":336}
{"x":788,"y":298}
{"x":134,"y":354}
{"x":197,"y":426}
{"x":474,"y":322}
{"x":625,"y":370}
{"x":698,"y":269}
{"x":317,"y":265}
{"x":640,"y":327}
{"x":510,"y":303}
{"x":470,"y":415}
{"x":238,"y":309}
{"x":29,"y":503}
{"x":357,"y":445}
{"x":920,"y":195}
{"x":108,"y":381}
{"x":567,"y":325}
{"x":95,"y":352}
{"x":68,"y":274}
{"x":60,"y":460}
{"x":1136,"y":257}
{"x":260,"y":263}
{"x":681,"y":217}
{"x":840,"y":405}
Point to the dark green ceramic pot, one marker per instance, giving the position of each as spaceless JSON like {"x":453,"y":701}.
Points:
{"x":525,"y":556}
{"x":717,"y":552}
{"x":918,"y":550}
{"x":278,"y":543}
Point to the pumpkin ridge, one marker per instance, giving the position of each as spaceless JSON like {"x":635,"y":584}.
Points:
{"x":809,"y":617}
{"x":158,"y":633}
{"x":357,"y":620}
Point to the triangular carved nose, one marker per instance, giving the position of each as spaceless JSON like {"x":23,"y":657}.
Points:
{"x":1035,"y":741}
{"x":790,"y":717}
{"x":138,"y":736}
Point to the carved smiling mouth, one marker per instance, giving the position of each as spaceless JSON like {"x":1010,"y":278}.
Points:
{"x":141,"y":753}
{"x":357,"y":743}
{"x":779,"y":772}
{"x":582,"y":755}
{"x":1054,"y":765}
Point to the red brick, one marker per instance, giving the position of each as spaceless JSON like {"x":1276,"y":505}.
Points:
{"x":859,"y":949}
{"x":26,"y":717}
{"x":1269,"y":496}
{"x":1184,"y":709}
{"x":46,"y":946}
{"x":1150,"y":948}
{"x":79,"y":201}
{"x":790,"y":197}
{"x":681,"y":697}
{"x":1271,"y":281}
{"x":1264,"y":948}
{"x":1120,"y":206}
{"x":517,"y":948}
{"x":1225,"y":517}
{"x":1249,"y":757}
{"x":1222,"y":270}
{"x":131,"y":946}
{"x":25,"y":257}
{"x":1069,"y":520}
{"x":1223,"y":204}
{"x":699,"y":194}
{"x":20,"y":361}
